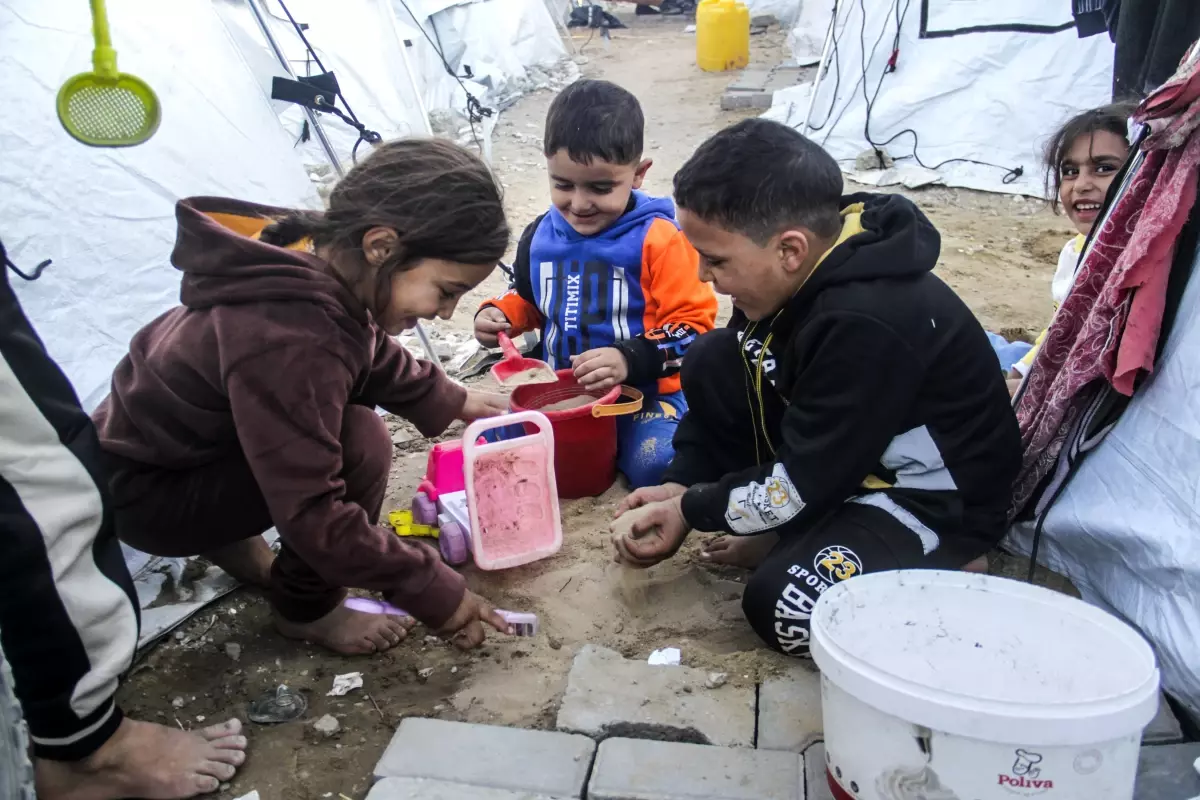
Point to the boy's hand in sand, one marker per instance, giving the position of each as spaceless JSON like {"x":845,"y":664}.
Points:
{"x":489,"y":322}
{"x":602,"y":368}
{"x":649,"y":494}
{"x":483,"y":404}
{"x":654,"y":534}
{"x":465,"y":627}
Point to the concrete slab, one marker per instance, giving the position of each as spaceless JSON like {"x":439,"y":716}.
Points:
{"x":1164,"y":728}
{"x":425,"y":789}
{"x":816,"y":780}
{"x":1167,"y":772}
{"x":632,"y":769}
{"x":751,"y":80}
{"x":789,"y":710}
{"x":731,"y":101}
{"x":536,"y":762}
{"x":608,"y":695}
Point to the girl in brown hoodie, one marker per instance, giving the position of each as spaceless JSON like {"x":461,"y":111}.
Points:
{"x":252,"y":404}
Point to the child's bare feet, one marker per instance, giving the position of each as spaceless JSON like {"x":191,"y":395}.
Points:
{"x":349,"y":632}
{"x":740,"y":551}
{"x":248,"y":560}
{"x":148,"y":761}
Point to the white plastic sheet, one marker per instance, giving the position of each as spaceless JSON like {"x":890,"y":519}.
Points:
{"x":1126,"y":529}
{"x":106,"y":217}
{"x":992,"y":96}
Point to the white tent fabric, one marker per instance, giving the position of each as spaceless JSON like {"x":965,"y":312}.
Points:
{"x":974,"y":79}
{"x":106,"y":217}
{"x":1126,"y":529}
{"x":360,"y":42}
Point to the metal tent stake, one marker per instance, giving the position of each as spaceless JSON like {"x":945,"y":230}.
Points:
{"x":315,"y":123}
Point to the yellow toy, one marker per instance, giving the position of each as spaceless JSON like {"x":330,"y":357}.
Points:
{"x":402,"y":523}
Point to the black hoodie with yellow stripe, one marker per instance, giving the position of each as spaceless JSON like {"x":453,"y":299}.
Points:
{"x":875,"y":384}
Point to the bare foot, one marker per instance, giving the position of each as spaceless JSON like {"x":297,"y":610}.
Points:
{"x":980,"y":565}
{"x":148,"y":761}
{"x":248,"y":560}
{"x":740,"y":551}
{"x":349,"y":632}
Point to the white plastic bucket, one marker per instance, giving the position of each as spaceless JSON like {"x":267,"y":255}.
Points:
{"x":954,"y":686}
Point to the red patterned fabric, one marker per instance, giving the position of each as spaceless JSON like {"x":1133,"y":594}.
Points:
{"x":1108,"y":327}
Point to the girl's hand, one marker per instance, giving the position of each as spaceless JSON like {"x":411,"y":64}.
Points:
{"x":483,"y":404}
{"x":465,"y":627}
{"x":489,"y":322}
{"x":602,"y":368}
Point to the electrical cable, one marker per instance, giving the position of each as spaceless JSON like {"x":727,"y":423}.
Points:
{"x":33,"y":276}
{"x":1011,"y":174}
{"x":349,"y":117}
{"x":476,"y":111}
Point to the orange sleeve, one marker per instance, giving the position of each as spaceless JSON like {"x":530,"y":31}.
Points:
{"x":522,"y":314}
{"x":679,"y":307}
{"x":675,"y":294}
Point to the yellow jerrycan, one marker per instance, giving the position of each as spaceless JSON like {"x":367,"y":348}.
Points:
{"x":722,"y":35}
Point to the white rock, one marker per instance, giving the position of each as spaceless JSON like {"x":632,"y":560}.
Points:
{"x":327,"y":725}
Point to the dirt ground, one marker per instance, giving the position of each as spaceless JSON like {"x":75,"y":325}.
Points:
{"x":997,"y":251}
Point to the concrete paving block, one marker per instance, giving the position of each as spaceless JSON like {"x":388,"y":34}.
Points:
{"x":1164,"y":728}
{"x":426,"y":789}
{"x":537,"y":762}
{"x":608,"y":695}
{"x":634,"y":769}
{"x":816,"y":779}
{"x":751,"y":80}
{"x":1166,"y":772}
{"x":789,"y":710}
{"x":731,"y":101}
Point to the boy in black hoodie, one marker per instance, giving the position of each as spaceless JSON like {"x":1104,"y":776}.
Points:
{"x":849,"y":419}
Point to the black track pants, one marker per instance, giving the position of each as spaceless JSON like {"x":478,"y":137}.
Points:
{"x":68,"y":611}
{"x":717,"y":437}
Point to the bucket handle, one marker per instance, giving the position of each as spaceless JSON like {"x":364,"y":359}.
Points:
{"x":632,"y":406}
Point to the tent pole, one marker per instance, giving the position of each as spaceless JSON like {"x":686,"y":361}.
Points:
{"x":821,"y":67}
{"x":313,"y":122}
{"x":327,"y":146}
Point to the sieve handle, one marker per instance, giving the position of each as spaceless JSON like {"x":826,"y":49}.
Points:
{"x":632,"y":406}
{"x":104,"y":58}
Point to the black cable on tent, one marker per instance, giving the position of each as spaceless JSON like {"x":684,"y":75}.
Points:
{"x":32,"y":276}
{"x":320,"y":104}
{"x":1011,"y":173}
{"x":476,"y":111}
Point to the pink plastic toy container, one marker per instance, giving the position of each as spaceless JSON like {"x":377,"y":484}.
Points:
{"x":512,"y":496}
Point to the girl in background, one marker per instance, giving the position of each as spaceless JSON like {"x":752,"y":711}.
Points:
{"x":1082,"y":158}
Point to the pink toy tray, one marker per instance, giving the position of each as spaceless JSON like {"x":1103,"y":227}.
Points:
{"x":512,"y":495}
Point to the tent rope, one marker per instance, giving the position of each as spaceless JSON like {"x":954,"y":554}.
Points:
{"x":349,"y":117}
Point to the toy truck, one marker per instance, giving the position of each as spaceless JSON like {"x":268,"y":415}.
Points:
{"x":441,"y":500}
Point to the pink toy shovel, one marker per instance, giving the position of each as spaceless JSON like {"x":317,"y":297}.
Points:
{"x":516,"y":370}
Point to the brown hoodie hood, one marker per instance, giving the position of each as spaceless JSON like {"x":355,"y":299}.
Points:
{"x":263,"y":356}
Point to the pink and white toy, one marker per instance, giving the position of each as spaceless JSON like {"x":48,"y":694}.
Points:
{"x":441,"y":500}
{"x":512,"y":497}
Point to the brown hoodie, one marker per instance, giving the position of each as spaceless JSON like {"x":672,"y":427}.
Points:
{"x":263,"y":356}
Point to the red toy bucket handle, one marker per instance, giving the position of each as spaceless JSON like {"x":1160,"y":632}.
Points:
{"x":632,"y":406}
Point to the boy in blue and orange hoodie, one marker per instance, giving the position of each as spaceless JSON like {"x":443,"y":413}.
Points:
{"x":606,"y":275}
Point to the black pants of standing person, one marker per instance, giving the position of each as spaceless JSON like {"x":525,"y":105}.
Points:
{"x":718,"y":437}
{"x":1152,"y":37}
{"x":68,"y":610}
